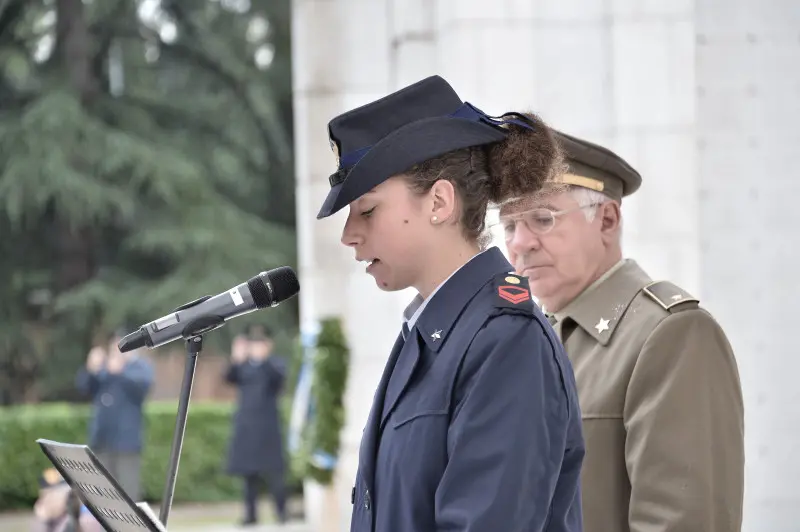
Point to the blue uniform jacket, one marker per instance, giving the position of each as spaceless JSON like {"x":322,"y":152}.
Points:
{"x":475,"y":425}
{"x":118,"y":400}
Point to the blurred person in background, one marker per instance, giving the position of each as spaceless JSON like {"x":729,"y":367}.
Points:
{"x":256,"y":448}
{"x":658,"y":381}
{"x":118,"y":384}
{"x":58,"y":508}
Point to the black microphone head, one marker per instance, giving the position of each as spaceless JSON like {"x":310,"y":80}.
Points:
{"x":283,"y":284}
{"x":135,"y":340}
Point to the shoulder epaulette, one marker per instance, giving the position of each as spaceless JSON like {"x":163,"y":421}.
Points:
{"x":669,"y":296}
{"x":512,"y":291}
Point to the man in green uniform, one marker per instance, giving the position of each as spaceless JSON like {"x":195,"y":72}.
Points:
{"x":657,"y":380}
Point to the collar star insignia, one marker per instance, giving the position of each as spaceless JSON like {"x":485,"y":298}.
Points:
{"x":602,"y":325}
{"x":436,"y":335}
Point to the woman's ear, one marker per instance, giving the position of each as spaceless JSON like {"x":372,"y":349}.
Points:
{"x":443,"y":200}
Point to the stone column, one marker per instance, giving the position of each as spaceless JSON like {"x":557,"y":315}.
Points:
{"x":748,"y":110}
{"x":343,"y":57}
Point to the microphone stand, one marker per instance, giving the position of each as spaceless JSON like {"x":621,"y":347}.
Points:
{"x":193,"y":335}
{"x":194,"y":344}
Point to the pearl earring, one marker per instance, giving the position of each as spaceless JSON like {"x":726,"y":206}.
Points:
{"x":435,"y":219}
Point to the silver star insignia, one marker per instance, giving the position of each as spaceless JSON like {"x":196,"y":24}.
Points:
{"x":436,"y":335}
{"x":677,"y":297}
{"x":602,"y":325}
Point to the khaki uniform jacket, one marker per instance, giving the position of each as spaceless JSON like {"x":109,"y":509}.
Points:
{"x":662,"y":408}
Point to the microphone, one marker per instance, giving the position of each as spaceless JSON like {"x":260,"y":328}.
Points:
{"x":267,"y":289}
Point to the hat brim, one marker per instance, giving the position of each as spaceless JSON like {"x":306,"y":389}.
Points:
{"x":400,"y":150}
{"x":593,"y":155}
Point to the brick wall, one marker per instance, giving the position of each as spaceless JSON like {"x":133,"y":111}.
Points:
{"x":209,"y":384}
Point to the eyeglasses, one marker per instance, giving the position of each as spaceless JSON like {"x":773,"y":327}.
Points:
{"x":537,"y":221}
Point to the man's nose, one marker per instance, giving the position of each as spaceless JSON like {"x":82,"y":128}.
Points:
{"x":522,"y":240}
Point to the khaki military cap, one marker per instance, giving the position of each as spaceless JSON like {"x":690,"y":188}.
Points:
{"x":597,"y":168}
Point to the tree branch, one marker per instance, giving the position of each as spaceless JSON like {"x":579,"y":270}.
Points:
{"x":10,"y":13}
{"x":205,"y":62}
{"x":228,"y":78}
{"x":195,"y":123}
{"x":103,"y":32}
{"x":12,"y":101}
{"x":74,"y":44}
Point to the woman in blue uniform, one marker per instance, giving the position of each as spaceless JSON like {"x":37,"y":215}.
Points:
{"x":475,"y":424}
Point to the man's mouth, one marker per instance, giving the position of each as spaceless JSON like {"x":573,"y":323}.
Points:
{"x":527,"y":268}
{"x":533,"y":272}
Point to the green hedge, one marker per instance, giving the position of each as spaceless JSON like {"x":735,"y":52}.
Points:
{"x":201,"y":476}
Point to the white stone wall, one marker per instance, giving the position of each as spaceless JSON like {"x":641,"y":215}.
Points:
{"x":701,"y":96}
{"x":342,"y":58}
{"x":748,"y":138}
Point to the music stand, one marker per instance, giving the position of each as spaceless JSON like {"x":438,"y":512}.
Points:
{"x":97,"y":489}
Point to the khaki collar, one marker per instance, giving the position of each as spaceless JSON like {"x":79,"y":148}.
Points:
{"x":598,"y":309}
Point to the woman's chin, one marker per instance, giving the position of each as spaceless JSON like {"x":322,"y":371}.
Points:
{"x":383,"y":278}
{"x":377,"y":270}
{"x":386,"y":283}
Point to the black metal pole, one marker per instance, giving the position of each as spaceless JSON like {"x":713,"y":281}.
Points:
{"x":193,"y":346}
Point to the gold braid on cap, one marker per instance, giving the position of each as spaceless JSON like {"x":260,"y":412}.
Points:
{"x":581,"y":181}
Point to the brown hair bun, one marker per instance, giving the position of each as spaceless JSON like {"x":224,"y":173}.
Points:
{"x":523,"y":163}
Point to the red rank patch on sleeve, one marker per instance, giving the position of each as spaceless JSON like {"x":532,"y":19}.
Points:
{"x":513,"y":294}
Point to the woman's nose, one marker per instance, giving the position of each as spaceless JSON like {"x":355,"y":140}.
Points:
{"x":350,"y":234}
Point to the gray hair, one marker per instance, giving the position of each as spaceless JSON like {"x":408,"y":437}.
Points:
{"x":589,"y":199}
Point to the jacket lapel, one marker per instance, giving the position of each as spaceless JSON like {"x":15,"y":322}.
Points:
{"x":406,"y":363}
{"x":369,"y":440}
{"x":430,"y":333}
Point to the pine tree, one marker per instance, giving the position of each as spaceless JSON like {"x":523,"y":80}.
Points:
{"x":145,"y":160}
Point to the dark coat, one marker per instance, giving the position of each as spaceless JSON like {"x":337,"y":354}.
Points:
{"x":118,"y":401}
{"x":257,"y":444}
{"x":475,"y":425}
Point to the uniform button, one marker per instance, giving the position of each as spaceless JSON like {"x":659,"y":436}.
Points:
{"x":107,"y":399}
{"x":367,"y":501}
